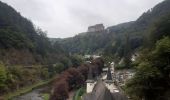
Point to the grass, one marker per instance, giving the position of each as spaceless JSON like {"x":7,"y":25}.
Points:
{"x":46,"y":96}
{"x":79,"y":93}
{"x":27,"y":89}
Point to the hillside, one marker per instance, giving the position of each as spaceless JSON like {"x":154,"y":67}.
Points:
{"x":86,"y":42}
{"x":27,"y":56}
{"x":29,"y":59}
{"x":20,"y":39}
{"x":114,"y":41}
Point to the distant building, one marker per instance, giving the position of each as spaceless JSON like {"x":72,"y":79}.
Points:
{"x":96,"y":28}
{"x":109,"y":83}
{"x":102,"y":89}
{"x":123,"y":75}
{"x":134,"y":56}
{"x":91,"y":56}
{"x":87,"y":56}
{"x":95,"y":56}
{"x":90,"y":82}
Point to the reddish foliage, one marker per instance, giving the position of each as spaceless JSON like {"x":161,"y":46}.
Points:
{"x":60,"y":91}
{"x":74,"y":78}
{"x":83,"y":69}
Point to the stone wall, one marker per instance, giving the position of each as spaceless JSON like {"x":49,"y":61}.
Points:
{"x":96,"y":28}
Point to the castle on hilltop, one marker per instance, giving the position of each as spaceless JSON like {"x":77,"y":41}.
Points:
{"x":96,"y":28}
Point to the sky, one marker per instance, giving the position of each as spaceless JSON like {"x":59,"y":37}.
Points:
{"x":66,"y":18}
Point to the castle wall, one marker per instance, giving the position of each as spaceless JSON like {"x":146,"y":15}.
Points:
{"x":96,"y":28}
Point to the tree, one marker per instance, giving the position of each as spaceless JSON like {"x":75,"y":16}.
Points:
{"x":152,"y":81}
{"x":60,"y":91}
{"x":83,"y":69}
{"x":76,"y":60}
{"x":44,"y":73}
{"x":161,"y":28}
{"x":127,"y":52}
{"x":75,"y":79}
{"x":58,"y":67}
{"x":3,"y":78}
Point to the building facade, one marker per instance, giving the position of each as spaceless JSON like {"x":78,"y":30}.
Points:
{"x":96,"y":28}
{"x":102,"y":89}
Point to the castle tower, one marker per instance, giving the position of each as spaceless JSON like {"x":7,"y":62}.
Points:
{"x":109,"y":81}
{"x":90,"y":83}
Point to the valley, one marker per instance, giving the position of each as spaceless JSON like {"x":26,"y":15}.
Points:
{"x":127,"y":61}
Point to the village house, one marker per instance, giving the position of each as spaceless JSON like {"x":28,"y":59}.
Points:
{"x":102,"y":89}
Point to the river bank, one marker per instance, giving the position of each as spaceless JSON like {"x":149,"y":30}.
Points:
{"x":26,"y":90}
{"x":33,"y":95}
{"x":41,"y":93}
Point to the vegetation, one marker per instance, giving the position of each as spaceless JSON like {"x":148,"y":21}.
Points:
{"x":3,"y":78}
{"x":21,"y":43}
{"x":121,"y":41}
{"x":151,"y":81}
{"x":73,"y":78}
{"x":25,"y":90}
{"x":27,"y":56}
{"x":46,"y":96}
{"x":79,"y":93}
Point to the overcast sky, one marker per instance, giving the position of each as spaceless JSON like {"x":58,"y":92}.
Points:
{"x":66,"y":18}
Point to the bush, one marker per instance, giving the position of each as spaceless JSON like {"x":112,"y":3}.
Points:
{"x":3,"y":78}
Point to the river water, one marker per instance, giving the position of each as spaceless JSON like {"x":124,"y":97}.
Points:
{"x":36,"y":95}
{"x":33,"y":95}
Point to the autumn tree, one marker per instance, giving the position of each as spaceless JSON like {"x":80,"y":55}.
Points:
{"x":83,"y":69}
{"x":75,"y":79}
{"x":60,"y":91}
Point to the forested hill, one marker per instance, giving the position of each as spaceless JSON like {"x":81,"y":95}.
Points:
{"x":21,"y":42}
{"x":27,"y":57}
{"x":86,"y":42}
{"x":115,"y":40}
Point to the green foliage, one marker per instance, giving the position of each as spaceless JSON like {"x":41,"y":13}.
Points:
{"x":85,"y":43}
{"x":76,"y":60}
{"x":66,"y":62}
{"x":74,"y":78}
{"x":59,"y":67}
{"x":26,"y":89}
{"x":79,"y":93}
{"x":161,"y":28}
{"x":163,"y":47}
{"x":16,"y":77}
{"x":19,"y":34}
{"x":113,"y":41}
{"x":44,"y":73}
{"x":151,"y":80}
{"x":46,"y":96}
{"x":3,"y":78}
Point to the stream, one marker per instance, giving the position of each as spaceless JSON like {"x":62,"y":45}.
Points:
{"x":36,"y":95}
{"x":33,"y":95}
